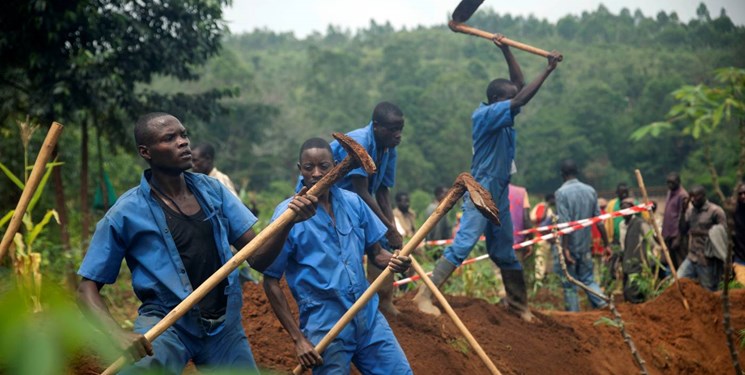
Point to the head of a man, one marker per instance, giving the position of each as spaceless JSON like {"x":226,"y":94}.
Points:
{"x":163,"y":142}
{"x":622,"y":191}
{"x":740,"y":191}
{"x":568,"y":169}
{"x":673,"y":181}
{"x":314,"y":161}
{"x":440,"y":193}
{"x":499,"y":90}
{"x":627,"y":203}
{"x":550,"y":199}
{"x":698,"y":196}
{"x":203,"y":158}
{"x":402,"y":201}
{"x":388,"y":124}
{"x":602,"y":204}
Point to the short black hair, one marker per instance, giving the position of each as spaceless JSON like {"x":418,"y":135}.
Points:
{"x":568,"y":168}
{"x":206,"y":149}
{"x":386,"y":112}
{"x":698,"y":189}
{"x":622,"y":185}
{"x":440,"y":189}
{"x":400,"y":195}
{"x":315,"y":142}
{"x":549,"y":197}
{"x":143,"y":134}
{"x":674,"y":175}
{"x":498,"y":88}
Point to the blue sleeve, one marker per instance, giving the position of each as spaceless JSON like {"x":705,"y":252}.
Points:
{"x":374,"y":229}
{"x":389,"y":178}
{"x":240,"y":218}
{"x":105,"y":254}
{"x":277,"y":268}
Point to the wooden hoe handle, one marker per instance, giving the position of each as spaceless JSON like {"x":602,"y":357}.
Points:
{"x":465,"y":29}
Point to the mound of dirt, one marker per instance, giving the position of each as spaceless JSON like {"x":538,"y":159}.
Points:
{"x":669,"y":339}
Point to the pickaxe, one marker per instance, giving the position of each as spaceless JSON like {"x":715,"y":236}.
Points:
{"x":465,"y":10}
{"x":356,"y":157}
{"x":483,"y":202}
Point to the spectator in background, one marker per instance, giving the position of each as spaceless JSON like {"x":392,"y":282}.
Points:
{"x":203,"y":158}
{"x":612,"y":226}
{"x":597,"y":244}
{"x":574,"y":201}
{"x":637,"y":241}
{"x":541,"y":215}
{"x":520,"y":213}
{"x":443,"y":229}
{"x":675,"y":208}
{"x":404,"y":216}
{"x":738,"y":260}
{"x":700,"y":264}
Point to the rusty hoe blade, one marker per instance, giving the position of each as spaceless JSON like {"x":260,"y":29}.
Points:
{"x":356,"y":151}
{"x":465,"y":10}
{"x":481,"y":198}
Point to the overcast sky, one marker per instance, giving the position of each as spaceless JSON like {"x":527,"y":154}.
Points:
{"x":305,"y":16}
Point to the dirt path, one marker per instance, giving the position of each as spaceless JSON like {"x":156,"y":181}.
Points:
{"x":671,"y":340}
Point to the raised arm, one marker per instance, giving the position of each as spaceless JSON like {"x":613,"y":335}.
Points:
{"x":516,"y":74}
{"x":523,"y":96}
{"x":94,"y":307}
{"x":380,"y":205}
{"x":306,"y":353}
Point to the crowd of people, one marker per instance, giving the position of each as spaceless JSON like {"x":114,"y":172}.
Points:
{"x":177,"y":228}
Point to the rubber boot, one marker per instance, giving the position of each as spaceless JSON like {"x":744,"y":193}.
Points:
{"x":423,"y":299}
{"x":385,"y":293}
{"x":517,"y":295}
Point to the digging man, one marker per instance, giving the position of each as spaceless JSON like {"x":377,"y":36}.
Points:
{"x":492,"y":165}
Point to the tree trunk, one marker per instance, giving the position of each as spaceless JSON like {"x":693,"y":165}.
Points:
{"x":84,"y":204}
{"x":741,"y":161}
{"x":59,"y":202}
{"x":728,"y":331}
{"x":713,"y":172}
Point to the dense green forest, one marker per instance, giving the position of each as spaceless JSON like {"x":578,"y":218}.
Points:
{"x":277,"y":90}
{"x":617,"y":74}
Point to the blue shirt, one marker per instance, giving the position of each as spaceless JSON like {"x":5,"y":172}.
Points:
{"x":385,"y":161}
{"x":575,"y":201}
{"x":135,"y":230}
{"x":493,"y":141}
{"x":322,"y":260}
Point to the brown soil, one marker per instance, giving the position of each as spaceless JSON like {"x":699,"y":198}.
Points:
{"x":670,"y":340}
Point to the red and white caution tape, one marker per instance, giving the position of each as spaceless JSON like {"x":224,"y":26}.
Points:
{"x":446,"y":242}
{"x":626,"y":211}
{"x":566,"y":229}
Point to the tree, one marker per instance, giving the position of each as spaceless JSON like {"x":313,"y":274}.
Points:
{"x":81,"y":63}
{"x":701,"y":110}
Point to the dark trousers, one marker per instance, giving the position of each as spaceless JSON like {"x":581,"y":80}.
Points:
{"x":677,"y":253}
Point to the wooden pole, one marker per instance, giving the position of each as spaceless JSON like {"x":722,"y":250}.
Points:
{"x":665,"y":251}
{"x":31,"y":185}
{"x":451,"y":313}
{"x":465,"y":29}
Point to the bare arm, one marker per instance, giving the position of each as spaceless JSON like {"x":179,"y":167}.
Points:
{"x":380,"y":205}
{"x":306,"y":353}
{"x":516,"y":74}
{"x":523,"y":96}
{"x":304,"y":206}
{"x":94,"y":307}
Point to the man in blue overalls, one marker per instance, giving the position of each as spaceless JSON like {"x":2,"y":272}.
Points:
{"x":380,"y":139}
{"x":492,"y":166}
{"x":322,"y":261}
{"x":175,"y":230}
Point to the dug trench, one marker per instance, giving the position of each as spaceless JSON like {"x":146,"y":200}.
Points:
{"x":670,"y":339}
